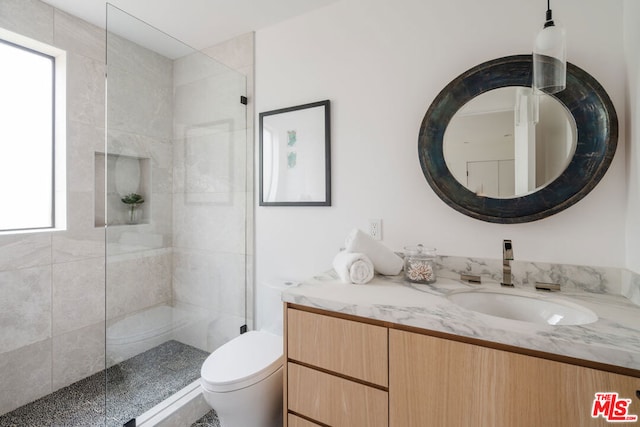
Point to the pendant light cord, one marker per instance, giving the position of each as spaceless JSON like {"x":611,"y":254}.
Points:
{"x":549,"y":21}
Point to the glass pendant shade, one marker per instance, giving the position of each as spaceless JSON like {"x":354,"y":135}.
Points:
{"x":550,"y":60}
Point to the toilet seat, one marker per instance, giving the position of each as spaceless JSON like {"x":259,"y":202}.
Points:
{"x":243,"y":361}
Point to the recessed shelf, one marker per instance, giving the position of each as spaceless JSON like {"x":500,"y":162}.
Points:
{"x":124,"y":175}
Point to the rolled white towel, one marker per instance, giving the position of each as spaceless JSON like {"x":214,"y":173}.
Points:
{"x":353,"y":267}
{"x":384,"y":260}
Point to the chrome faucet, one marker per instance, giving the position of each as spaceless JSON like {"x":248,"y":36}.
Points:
{"x":507,"y":257}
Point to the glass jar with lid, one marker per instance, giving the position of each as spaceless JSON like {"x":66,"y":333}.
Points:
{"x":420,"y":264}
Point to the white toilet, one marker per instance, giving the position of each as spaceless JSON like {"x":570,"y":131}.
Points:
{"x":242,"y":380}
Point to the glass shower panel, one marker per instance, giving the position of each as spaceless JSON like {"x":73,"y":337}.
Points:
{"x":175,"y":204}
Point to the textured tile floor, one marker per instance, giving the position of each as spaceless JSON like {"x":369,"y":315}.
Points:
{"x":209,"y":420}
{"x":133,"y":387}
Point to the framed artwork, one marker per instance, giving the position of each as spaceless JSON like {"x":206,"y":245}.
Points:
{"x":295,"y":156}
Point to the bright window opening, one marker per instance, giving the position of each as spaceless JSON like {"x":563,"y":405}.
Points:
{"x":27,"y":139}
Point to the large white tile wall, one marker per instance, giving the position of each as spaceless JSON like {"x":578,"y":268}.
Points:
{"x":239,"y":54}
{"x":52,"y":283}
{"x":139,"y":125}
{"x":213,"y":198}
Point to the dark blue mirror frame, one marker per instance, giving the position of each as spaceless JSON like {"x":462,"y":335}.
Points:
{"x":597,"y":138}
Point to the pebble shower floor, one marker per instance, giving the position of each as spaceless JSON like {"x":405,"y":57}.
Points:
{"x":134,"y":386}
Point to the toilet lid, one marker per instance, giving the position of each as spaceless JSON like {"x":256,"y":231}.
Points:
{"x":243,"y":361}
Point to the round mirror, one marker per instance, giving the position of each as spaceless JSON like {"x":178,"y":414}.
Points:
{"x":508,"y":142}
{"x":495,"y":151}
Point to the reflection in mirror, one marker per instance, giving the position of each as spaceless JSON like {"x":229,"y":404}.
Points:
{"x":508,"y":142}
{"x":595,"y":132}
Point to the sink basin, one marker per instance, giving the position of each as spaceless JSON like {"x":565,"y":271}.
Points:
{"x":524,"y":306}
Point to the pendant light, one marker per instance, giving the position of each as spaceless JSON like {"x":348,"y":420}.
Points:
{"x":549,"y":58}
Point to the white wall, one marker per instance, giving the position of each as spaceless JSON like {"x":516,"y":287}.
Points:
{"x":631,"y":37}
{"x":381,"y":64}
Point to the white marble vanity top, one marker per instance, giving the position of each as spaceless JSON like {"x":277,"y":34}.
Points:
{"x":613,"y":339}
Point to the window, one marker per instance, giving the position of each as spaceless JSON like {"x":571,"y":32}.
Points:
{"x":27,"y":138}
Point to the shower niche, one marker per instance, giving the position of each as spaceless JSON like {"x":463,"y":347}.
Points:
{"x":126,"y":192}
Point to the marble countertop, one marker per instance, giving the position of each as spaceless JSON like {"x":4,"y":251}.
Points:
{"x":613,"y":339}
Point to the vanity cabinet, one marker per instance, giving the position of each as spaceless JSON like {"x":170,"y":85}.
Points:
{"x":345,"y":372}
{"x":337,"y":371}
{"x":295,"y":421}
{"x":440,"y":382}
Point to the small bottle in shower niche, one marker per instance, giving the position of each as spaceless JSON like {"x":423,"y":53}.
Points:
{"x":420,"y":264}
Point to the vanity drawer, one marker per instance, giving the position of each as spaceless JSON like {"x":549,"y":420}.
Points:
{"x":335,"y":401}
{"x":354,"y":349}
{"x":299,"y":422}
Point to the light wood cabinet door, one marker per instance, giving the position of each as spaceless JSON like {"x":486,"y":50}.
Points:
{"x":299,"y":422}
{"x":354,"y":349}
{"x":335,"y":401}
{"x":438,"y":382}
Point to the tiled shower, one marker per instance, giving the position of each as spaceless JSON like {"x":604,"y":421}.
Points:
{"x":166,"y":123}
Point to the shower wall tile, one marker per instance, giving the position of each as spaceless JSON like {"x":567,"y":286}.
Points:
{"x":26,"y":375}
{"x":78,"y":36}
{"x":157,"y":233}
{"x":139,"y":281}
{"x":78,"y":243}
{"x":80,"y":208}
{"x":159,"y":150}
{"x":83,"y":140}
{"x":64,"y":295}
{"x":162,"y":216}
{"x":250,"y":240}
{"x":137,"y":240}
{"x":124,"y":55}
{"x":214,"y":281}
{"x":132,"y":144}
{"x":85,"y":90}
{"x":78,"y":294}
{"x":77,"y":355}
{"x":211,"y":160}
{"x":251,"y":291}
{"x":31,"y":18}
{"x":196,"y":67}
{"x":236,"y":53}
{"x":212,"y":226}
{"x":248,"y":71}
{"x":161,"y":176}
{"x":25,"y":307}
{"x":179,"y":167}
{"x":82,"y":239}
{"x":24,"y":250}
{"x":233,"y":289}
{"x":213,"y":203}
{"x":126,"y":89}
{"x":196,"y":278}
{"x":39,"y":295}
{"x":212,"y":99}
